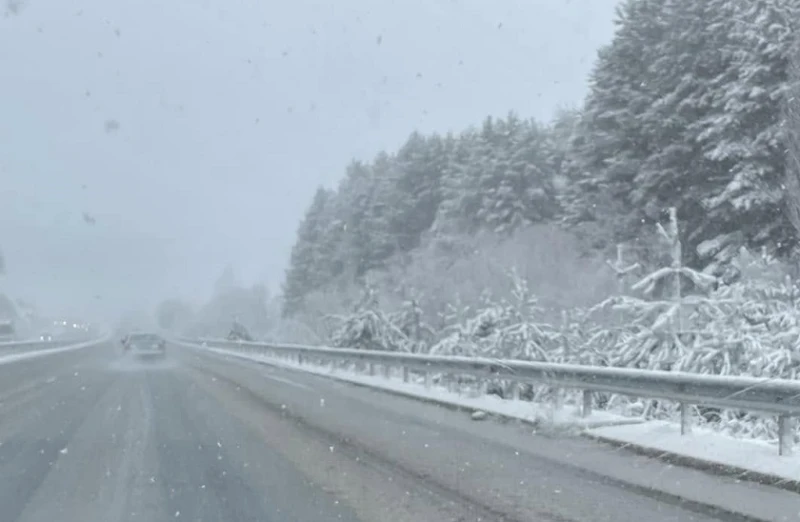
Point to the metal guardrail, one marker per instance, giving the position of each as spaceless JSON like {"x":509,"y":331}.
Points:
{"x":773,"y":396}
{"x":17,"y":347}
{"x":14,"y":346}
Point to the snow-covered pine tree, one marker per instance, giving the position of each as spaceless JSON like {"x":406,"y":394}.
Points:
{"x":744,"y":133}
{"x":515,"y":179}
{"x":695,"y":49}
{"x":751,"y":327}
{"x":533,"y":171}
{"x":684,"y":110}
{"x":792,"y":120}
{"x":419,"y":167}
{"x":486,"y":159}
{"x":305,"y":264}
{"x":561,"y":132}
{"x":460,"y":202}
{"x":381,"y":210}
{"x":362,"y":209}
{"x":661,"y":331}
{"x":500,"y":188}
{"x":612,"y":141}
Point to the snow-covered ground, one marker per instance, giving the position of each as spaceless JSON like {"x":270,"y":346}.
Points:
{"x":702,"y":444}
{"x":706,"y":445}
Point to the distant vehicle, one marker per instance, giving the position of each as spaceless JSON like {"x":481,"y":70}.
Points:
{"x":7,"y":331}
{"x":145,"y":345}
{"x":45,"y":337}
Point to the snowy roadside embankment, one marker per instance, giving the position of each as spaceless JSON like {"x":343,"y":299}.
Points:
{"x":703,"y":448}
{"x":744,"y":327}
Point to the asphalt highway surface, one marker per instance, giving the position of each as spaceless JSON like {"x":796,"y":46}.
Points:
{"x":96,"y":435}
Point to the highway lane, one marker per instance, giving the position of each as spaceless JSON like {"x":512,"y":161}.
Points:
{"x":547,"y":476}
{"x":88,"y":435}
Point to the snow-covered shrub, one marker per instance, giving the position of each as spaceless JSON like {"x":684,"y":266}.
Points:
{"x":750,"y":327}
{"x":753,"y":331}
{"x":503,"y":329}
{"x":585,"y":340}
{"x":744,"y":322}
{"x":548,"y":258}
{"x":370,"y":328}
{"x":471,"y":334}
{"x":294,"y":330}
{"x":410,"y":320}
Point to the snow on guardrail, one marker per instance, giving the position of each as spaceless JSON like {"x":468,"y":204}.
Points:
{"x":774,"y":396}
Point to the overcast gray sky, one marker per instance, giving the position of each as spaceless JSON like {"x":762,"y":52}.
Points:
{"x":194,"y":132}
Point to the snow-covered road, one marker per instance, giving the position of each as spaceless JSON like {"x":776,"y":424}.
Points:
{"x":86,"y":435}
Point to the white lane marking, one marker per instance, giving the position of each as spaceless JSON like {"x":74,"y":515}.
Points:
{"x":287,"y":381}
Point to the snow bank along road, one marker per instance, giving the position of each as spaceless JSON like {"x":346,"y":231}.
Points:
{"x":88,"y":435}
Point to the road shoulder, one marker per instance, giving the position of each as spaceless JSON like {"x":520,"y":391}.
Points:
{"x":726,"y":496}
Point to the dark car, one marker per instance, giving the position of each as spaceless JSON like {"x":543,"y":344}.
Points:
{"x":145,"y":345}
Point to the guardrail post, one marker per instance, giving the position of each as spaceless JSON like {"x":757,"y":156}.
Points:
{"x":685,"y":390}
{"x":686,"y":418}
{"x":387,"y":370}
{"x":785,"y":434}
{"x":558,"y":400}
{"x":586,"y":411}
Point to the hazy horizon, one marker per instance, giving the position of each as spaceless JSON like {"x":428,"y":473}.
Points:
{"x":147,"y":145}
